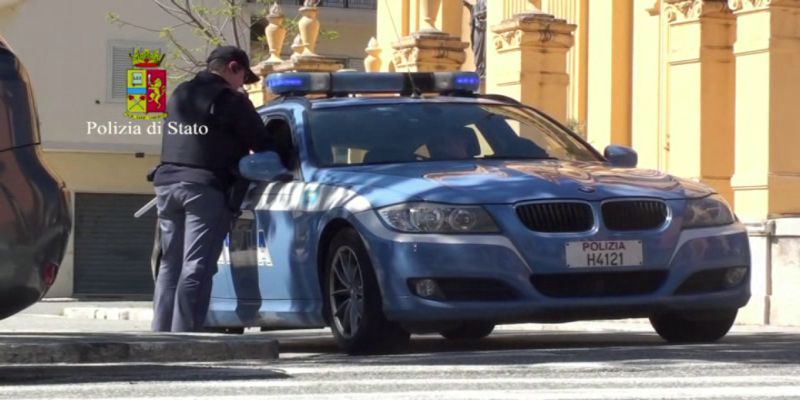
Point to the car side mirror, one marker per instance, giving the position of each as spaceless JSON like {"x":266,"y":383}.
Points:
{"x":264,"y":166}
{"x":621,"y":156}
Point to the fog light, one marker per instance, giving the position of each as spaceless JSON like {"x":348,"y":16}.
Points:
{"x":734,"y":276}
{"x":426,"y":288}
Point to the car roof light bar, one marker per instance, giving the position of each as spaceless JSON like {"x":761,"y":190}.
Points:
{"x":302,"y":83}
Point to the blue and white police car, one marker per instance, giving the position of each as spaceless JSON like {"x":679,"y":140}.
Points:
{"x":412,"y":204}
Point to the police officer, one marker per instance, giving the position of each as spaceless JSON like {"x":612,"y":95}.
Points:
{"x":210,"y":126}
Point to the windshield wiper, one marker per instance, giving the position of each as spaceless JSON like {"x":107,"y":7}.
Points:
{"x":501,"y":157}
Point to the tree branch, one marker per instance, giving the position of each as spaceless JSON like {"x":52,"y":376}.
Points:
{"x":175,"y":13}
{"x":194,"y":19}
{"x":235,"y":25}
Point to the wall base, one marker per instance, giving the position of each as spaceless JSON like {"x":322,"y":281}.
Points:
{"x":775,"y":248}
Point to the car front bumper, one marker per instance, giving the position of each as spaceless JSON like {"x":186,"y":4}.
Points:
{"x":488,"y":277}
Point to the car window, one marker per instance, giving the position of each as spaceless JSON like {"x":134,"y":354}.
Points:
{"x":18,"y":123}
{"x":281,"y":130}
{"x":379,"y":133}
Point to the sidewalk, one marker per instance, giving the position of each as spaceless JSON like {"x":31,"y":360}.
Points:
{"x":42,"y":334}
{"x":92,"y":347}
{"x":142,"y":312}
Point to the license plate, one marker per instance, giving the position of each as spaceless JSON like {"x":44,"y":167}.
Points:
{"x":613,"y":253}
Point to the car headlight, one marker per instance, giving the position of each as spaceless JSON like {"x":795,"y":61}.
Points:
{"x":437,"y":218}
{"x":708,"y":211}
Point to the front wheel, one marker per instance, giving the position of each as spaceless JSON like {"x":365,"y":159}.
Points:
{"x":677,"y":328}
{"x":353,"y":303}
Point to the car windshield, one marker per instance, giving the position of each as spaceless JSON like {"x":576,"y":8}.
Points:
{"x":392,"y":133}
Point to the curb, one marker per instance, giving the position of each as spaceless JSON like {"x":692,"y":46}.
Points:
{"x":124,"y":314}
{"x":74,"y":348}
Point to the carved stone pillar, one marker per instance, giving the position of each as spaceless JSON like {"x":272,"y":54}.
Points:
{"x":766,"y":179}
{"x":372,"y":63}
{"x":700,"y":105}
{"x":430,"y":49}
{"x":528,"y":61}
{"x":304,"y":58}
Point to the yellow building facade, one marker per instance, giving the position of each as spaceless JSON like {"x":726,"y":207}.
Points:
{"x":703,"y":89}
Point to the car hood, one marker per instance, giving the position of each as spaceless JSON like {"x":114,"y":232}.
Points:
{"x":504,"y":182}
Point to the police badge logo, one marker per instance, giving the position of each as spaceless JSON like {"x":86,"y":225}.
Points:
{"x":146,"y":88}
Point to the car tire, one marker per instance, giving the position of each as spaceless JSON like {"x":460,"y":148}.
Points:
{"x":469,"y":331}
{"x":372,"y":332}
{"x":677,"y":328}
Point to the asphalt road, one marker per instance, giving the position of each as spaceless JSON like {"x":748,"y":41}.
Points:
{"x":509,"y":365}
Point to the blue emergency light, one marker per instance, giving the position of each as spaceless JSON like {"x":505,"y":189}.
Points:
{"x":347,"y":83}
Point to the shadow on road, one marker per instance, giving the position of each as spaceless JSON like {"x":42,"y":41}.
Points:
{"x":129,"y":372}
{"x":516,"y":348}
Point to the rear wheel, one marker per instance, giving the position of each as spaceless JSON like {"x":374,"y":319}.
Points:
{"x":353,"y":304}
{"x":678,"y":328}
{"x":469,"y":331}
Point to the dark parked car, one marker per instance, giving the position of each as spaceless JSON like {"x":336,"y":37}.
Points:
{"x":35,"y":218}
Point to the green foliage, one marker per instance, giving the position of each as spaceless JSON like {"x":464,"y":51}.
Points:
{"x":211,"y":24}
{"x":577,"y":126}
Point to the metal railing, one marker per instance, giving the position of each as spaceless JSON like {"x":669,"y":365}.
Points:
{"x":359,"y":4}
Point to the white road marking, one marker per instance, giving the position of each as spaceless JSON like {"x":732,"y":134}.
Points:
{"x":378,"y":381}
{"x":716,"y":392}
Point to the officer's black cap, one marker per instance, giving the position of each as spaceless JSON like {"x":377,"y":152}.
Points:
{"x":233,"y":53}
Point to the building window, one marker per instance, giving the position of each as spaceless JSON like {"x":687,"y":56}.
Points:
{"x":119,"y":62}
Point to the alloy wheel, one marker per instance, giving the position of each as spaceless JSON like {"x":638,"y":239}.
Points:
{"x":346,"y":288}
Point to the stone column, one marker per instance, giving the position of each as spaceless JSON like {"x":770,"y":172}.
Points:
{"x":430,"y":49}
{"x":766,"y":179}
{"x":304,"y":58}
{"x":766,"y":182}
{"x":276,"y":34}
{"x":700,"y":107}
{"x":527,"y":60}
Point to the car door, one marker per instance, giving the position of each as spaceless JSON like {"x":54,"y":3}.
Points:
{"x":263,"y":238}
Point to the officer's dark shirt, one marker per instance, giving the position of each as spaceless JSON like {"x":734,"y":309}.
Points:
{"x":237,"y":128}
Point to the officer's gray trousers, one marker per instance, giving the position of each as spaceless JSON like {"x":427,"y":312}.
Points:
{"x":194,"y":221}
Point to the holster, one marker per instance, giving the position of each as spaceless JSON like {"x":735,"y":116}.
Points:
{"x":152,"y":174}
{"x":236,"y":194}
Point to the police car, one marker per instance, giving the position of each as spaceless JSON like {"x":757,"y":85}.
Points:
{"x":413,"y":204}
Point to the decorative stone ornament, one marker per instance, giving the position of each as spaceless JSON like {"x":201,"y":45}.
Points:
{"x":304,"y":59}
{"x":309,"y":27}
{"x":533,"y":28}
{"x":372,"y":63}
{"x":429,"y":49}
{"x":426,"y":52}
{"x":430,"y":9}
{"x":275,"y":33}
{"x":682,"y":10}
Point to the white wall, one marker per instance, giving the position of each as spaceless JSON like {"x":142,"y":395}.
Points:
{"x":65,"y":47}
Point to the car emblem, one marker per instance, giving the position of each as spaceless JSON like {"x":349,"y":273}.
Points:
{"x":585,"y":189}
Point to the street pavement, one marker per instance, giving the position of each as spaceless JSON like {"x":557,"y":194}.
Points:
{"x":629,"y":363}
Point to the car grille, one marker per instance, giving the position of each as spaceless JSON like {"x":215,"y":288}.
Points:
{"x":556,"y":217}
{"x":599,"y":284}
{"x":634,"y":215}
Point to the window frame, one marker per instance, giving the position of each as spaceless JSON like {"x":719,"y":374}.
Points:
{"x":296,"y":170}
{"x":518,"y":108}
